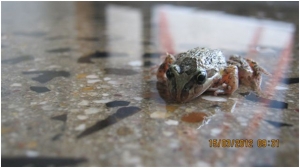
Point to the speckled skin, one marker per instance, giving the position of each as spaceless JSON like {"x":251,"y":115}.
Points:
{"x":222,"y":78}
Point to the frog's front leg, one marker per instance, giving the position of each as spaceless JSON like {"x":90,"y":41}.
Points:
{"x":250,"y":73}
{"x":229,"y":81}
{"x":161,"y":72}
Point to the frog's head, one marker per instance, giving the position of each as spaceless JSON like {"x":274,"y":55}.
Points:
{"x":187,"y":80}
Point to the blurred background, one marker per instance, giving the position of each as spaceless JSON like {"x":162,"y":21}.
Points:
{"x":78,"y":84}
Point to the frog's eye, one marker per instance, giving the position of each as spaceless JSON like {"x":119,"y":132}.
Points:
{"x":201,"y":77}
{"x":169,"y":74}
{"x":177,"y":68}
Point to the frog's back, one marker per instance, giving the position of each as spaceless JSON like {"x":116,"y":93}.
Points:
{"x":207,"y":58}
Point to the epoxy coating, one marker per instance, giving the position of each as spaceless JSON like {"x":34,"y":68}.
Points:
{"x":79,"y":88}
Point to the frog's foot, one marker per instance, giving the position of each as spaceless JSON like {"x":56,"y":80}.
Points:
{"x":219,"y":89}
{"x":250,"y":73}
{"x":229,"y":81}
{"x":256,"y":79}
{"x":161,"y":72}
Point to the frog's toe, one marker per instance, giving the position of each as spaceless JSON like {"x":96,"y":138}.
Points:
{"x":226,"y":90}
{"x":219,"y":89}
{"x":230,"y":79}
{"x":217,"y":92}
{"x":161,"y":72}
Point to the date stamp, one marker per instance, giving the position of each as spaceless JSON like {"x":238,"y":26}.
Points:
{"x":243,"y":143}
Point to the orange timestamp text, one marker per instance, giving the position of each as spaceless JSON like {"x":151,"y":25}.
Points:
{"x":243,"y":143}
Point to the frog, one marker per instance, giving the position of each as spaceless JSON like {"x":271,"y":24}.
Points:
{"x":188,"y":75}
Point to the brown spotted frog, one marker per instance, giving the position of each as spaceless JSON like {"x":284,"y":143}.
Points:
{"x":189,"y":74}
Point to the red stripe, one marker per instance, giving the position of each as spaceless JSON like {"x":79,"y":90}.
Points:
{"x":165,"y":35}
{"x":254,"y":43}
{"x":283,"y":63}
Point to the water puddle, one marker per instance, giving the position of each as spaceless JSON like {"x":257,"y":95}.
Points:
{"x":194,"y":117}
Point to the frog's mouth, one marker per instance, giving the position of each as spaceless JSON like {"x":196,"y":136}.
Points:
{"x":192,"y":92}
{"x":182,"y":92}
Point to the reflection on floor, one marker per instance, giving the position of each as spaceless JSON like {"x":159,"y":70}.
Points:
{"x":79,"y":85}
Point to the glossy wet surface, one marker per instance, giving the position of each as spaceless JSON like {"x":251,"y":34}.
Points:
{"x":79,"y":85}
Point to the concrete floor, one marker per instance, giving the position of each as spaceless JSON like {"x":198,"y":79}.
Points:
{"x":78,"y":85}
